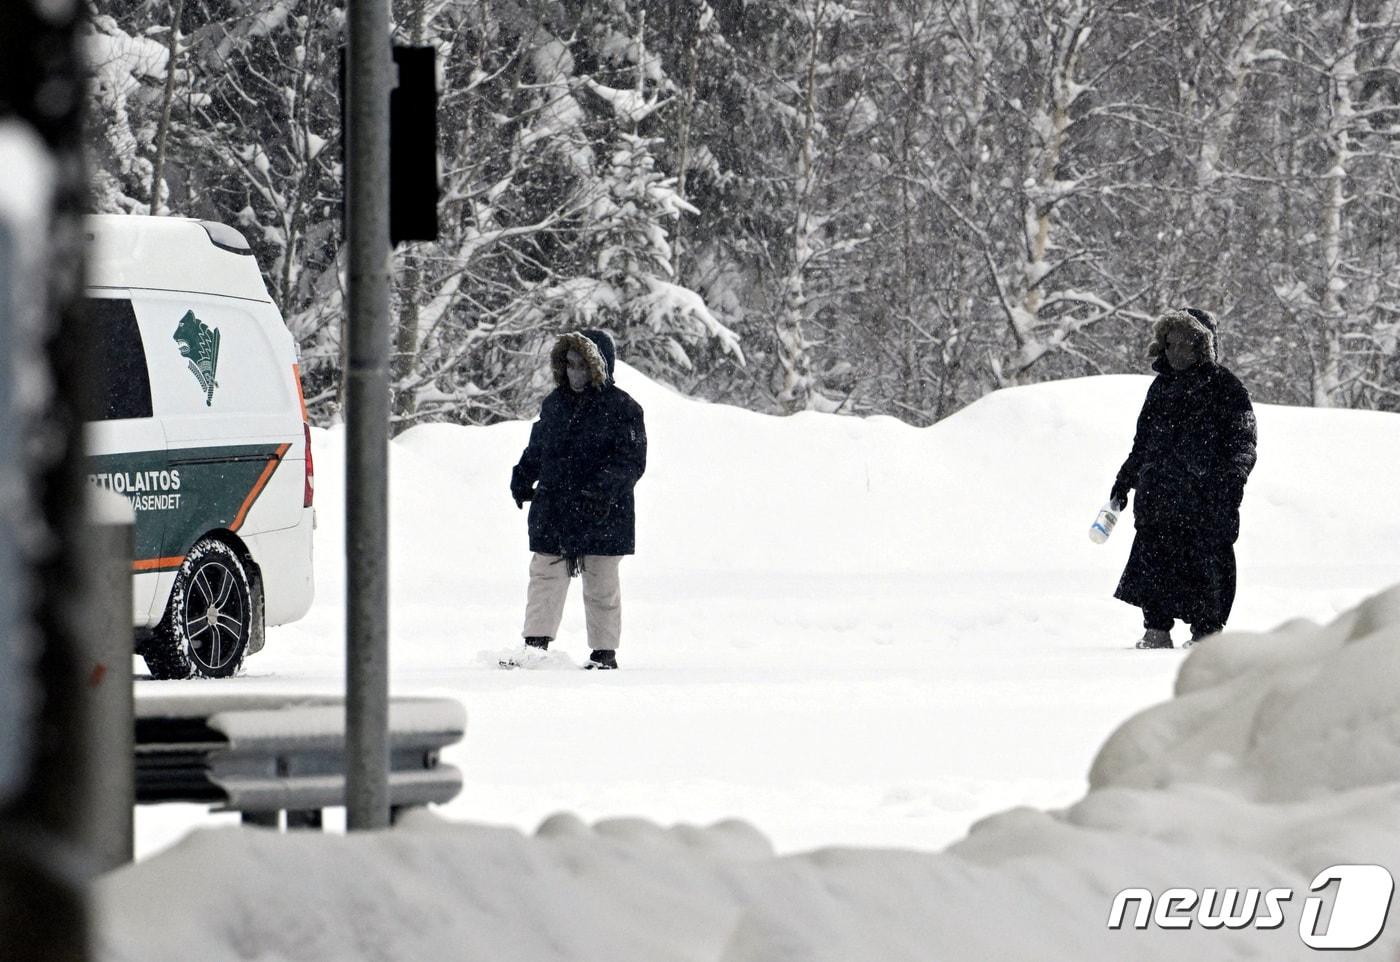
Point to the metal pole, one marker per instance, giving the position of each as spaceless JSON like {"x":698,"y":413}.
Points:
{"x":367,"y":84}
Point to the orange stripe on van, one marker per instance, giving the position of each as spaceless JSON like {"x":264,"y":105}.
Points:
{"x":263,"y":478}
{"x":301,"y":395}
{"x":157,"y":564}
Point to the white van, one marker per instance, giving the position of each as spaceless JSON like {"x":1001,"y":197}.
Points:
{"x":203,"y":428}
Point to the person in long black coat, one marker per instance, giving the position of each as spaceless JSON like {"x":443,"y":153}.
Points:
{"x":1191,"y":457}
{"x":586,"y":453}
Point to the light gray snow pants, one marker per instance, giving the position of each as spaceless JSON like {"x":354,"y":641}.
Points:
{"x":602,"y":598}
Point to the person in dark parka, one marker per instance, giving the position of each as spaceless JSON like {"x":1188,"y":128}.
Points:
{"x":586,"y":452}
{"x":1191,"y":456}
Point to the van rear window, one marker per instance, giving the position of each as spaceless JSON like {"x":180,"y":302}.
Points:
{"x":123,"y":382}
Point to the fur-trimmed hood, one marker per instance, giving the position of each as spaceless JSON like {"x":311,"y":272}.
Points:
{"x":1196,"y":322}
{"x":597,"y":350}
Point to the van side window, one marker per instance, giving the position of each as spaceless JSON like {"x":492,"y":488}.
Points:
{"x":120,"y":361}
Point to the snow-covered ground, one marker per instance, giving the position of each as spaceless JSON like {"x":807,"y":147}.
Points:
{"x":848,"y":633}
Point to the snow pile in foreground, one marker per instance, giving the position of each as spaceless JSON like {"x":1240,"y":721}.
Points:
{"x":1279,"y":757}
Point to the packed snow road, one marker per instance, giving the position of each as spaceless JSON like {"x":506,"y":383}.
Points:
{"x":889,"y":712}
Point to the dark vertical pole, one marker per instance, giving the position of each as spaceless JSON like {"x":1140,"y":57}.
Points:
{"x":367,"y":84}
{"x":43,"y":867}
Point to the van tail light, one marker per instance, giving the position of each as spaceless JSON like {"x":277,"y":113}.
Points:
{"x":309,"y":491}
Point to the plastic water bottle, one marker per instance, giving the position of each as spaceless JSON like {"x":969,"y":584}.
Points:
{"x":1103,"y":524}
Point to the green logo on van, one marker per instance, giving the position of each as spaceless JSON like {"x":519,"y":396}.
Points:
{"x":200,"y":345}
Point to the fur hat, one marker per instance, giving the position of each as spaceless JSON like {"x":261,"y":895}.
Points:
{"x":594,"y":346}
{"x":1198,"y":323}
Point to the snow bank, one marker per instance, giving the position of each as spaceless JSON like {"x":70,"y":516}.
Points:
{"x":1280,"y":717}
{"x":1010,"y":483}
{"x":1279,"y":757}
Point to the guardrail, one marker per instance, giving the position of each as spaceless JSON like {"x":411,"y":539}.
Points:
{"x":264,"y":755}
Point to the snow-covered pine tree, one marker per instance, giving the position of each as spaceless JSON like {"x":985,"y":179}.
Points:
{"x":127,"y":69}
{"x":556,"y":214}
{"x":795,"y":75}
{"x":269,"y":119}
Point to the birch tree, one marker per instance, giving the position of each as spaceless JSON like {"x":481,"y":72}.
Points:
{"x":1338,"y":288}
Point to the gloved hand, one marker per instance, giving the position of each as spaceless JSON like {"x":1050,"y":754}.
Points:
{"x":521,"y":495}
{"x":1118,"y":497}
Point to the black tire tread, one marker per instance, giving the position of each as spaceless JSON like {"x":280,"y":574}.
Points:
{"x":167,"y":652}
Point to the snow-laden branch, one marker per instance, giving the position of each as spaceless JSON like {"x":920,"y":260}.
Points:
{"x":665,"y":302}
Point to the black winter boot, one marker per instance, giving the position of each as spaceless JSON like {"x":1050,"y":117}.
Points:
{"x":602,"y":658}
{"x":1200,"y":633}
{"x":538,"y":641}
{"x":1156,"y":638}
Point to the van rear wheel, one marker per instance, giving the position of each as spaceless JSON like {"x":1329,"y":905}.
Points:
{"x":209,"y":618}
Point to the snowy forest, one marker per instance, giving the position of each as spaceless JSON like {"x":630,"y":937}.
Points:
{"x":868,"y":206}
